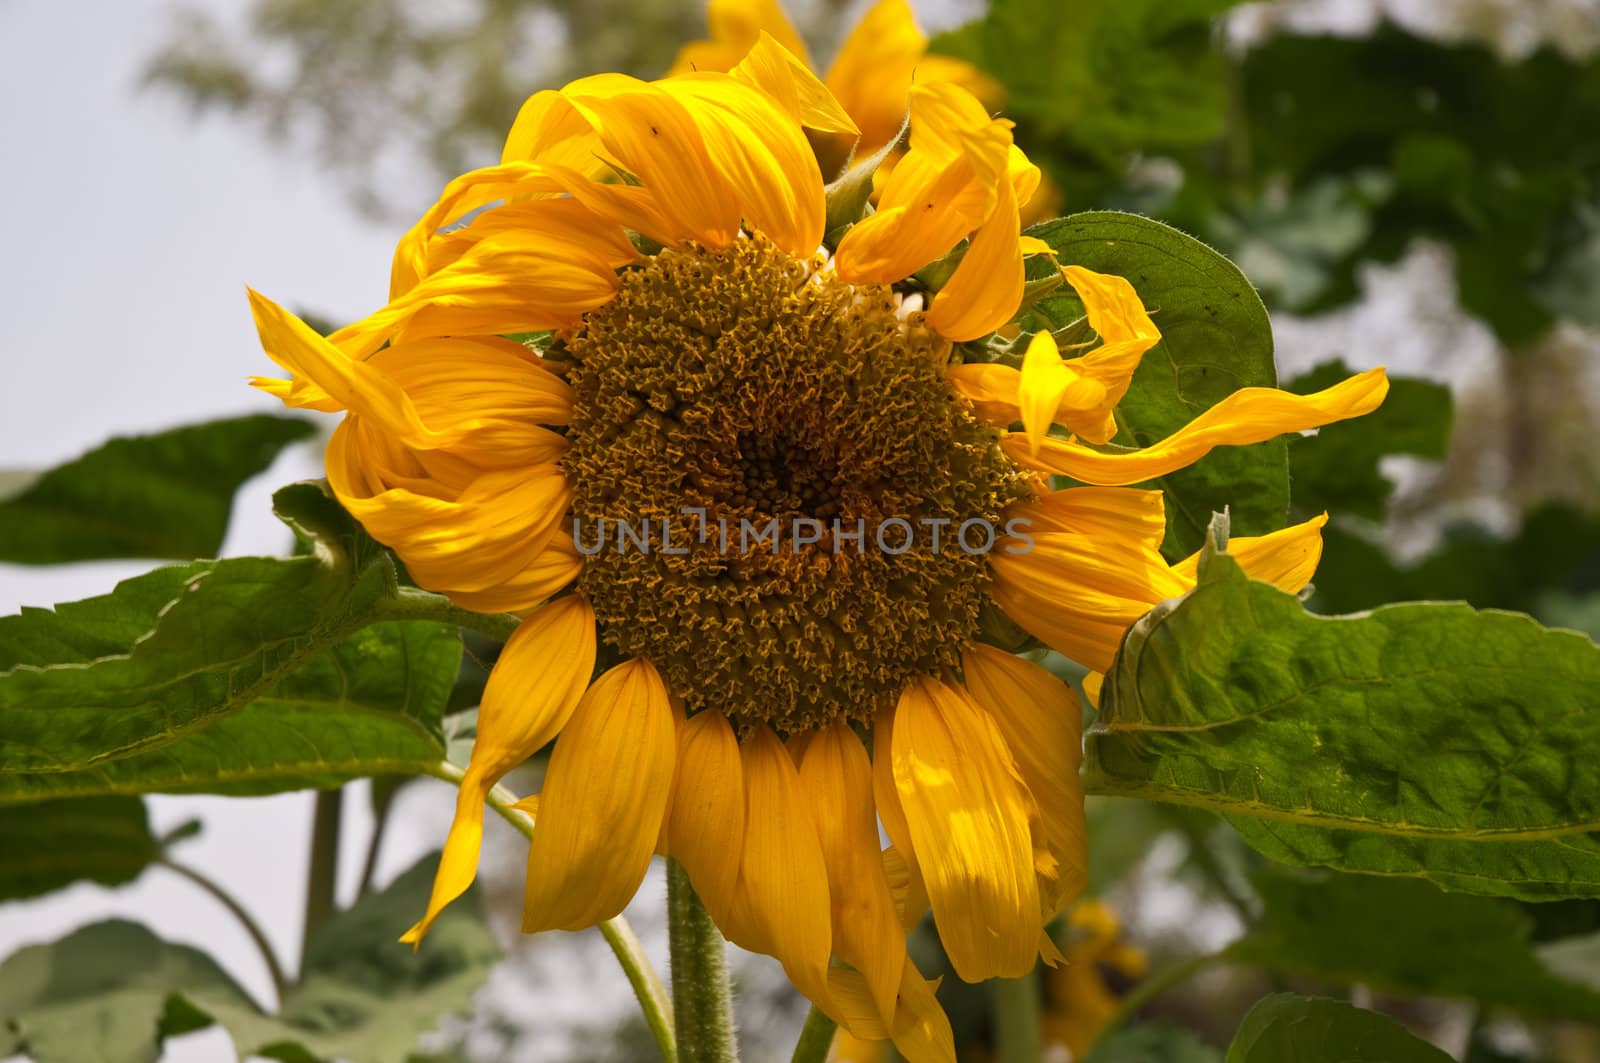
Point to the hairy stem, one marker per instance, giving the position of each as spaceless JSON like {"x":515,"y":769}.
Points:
{"x":816,"y":1037}
{"x":280,"y":983}
{"x":700,"y":994}
{"x":646,"y":983}
{"x":384,"y":787}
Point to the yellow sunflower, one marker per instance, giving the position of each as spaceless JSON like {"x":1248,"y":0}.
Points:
{"x":706,"y":368}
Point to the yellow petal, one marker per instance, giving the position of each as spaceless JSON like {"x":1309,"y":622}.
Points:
{"x":944,"y":188}
{"x":1042,"y":723}
{"x":603,"y":802}
{"x":967,"y":811}
{"x":532,"y":691}
{"x":487,"y":534}
{"x":1249,"y":415}
{"x":354,"y":385}
{"x":782,"y":907}
{"x":1121,"y":513}
{"x":557,"y":565}
{"x":652,"y":135}
{"x":872,"y":74}
{"x":900,"y":859}
{"x":779,"y":73}
{"x":919,"y":1026}
{"x":986,"y":288}
{"x":1078,"y":593}
{"x":1286,"y":558}
{"x":706,"y":830}
{"x":764,"y":156}
{"x":735,"y":27}
{"x":837,"y":774}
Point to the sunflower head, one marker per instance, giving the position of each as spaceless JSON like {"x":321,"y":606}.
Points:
{"x":756,"y":496}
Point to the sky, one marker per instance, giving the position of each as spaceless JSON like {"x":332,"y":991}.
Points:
{"x":134,"y":232}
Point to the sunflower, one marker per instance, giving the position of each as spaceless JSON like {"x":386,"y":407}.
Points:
{"x":609,"y":359}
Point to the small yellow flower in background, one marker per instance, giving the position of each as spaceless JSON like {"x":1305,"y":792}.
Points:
{"x":761,"y":711}
{"x":1080,"y":998}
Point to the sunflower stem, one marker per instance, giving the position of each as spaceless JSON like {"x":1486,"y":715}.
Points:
{"x":258,"y":937}
{"x":701,"y":998}
{"x":816,"y":1037}
{"x":1016,"y":1018}
{"x":646,"y":983}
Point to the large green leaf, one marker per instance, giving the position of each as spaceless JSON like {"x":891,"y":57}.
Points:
{"x":370,"y":705}
{"x":1285,"y":1028}
{"x":112,"y":991}
{"x":1399,"y":935}
{"x":56,"y":843}
{"x":108,"y":992}
{"x":177,"y":649}
{"x":161,"y":496}
{"x":1429,"y":724}
{"x":1337,"y":469}
{"x":1215,"y":339}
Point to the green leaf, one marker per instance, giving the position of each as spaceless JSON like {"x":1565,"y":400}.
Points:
{"x":1152,"y":1044}
{"x":1421,"y":727}
{"x":173,"y":651}
{"x":1215,"y":339}
{"x":112,"y":991}
{"x":1285,"y":1028}
{"x":370,"y":705}
{"x":1337,"y":469}
{"x":1402,"y":936}
{"x":158,"y":496}
{"x":53,"y":844}
{"x":109,"y":992}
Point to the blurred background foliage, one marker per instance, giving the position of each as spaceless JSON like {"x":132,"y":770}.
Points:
{"x":1409,"y":183}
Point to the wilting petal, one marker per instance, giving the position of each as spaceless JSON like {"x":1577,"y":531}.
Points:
{"x":491,"y":531}
{"x":603,"y":802}
{"x":532,"y":691}
{"x":557,"y":565}
{"x":967,"y":811}
{"x":837,"y":774}
{"x":1078,"y":593}
{"x":919,"y":1027}
{"x":900,"y":859}
{"x":706,"y":830}
{"x":1286,"y":558}
{"x":763,"y":155}
{"x":1118,"y":513}
{"x":1250,"y":415}
{"x":944,"y":188}
{"x":779,"y":73}
{"x":1042,"y":723}
{"x":782,"y":906}
{"x":986,"y":288}
{"x":652,"y":135}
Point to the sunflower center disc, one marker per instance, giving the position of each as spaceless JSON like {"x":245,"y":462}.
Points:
{"x":770,"y":475}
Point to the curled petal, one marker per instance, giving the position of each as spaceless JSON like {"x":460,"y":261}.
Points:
{"x":532,"y":692}
{"x":1250,"y":415}
{"x":1286,"y":558}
